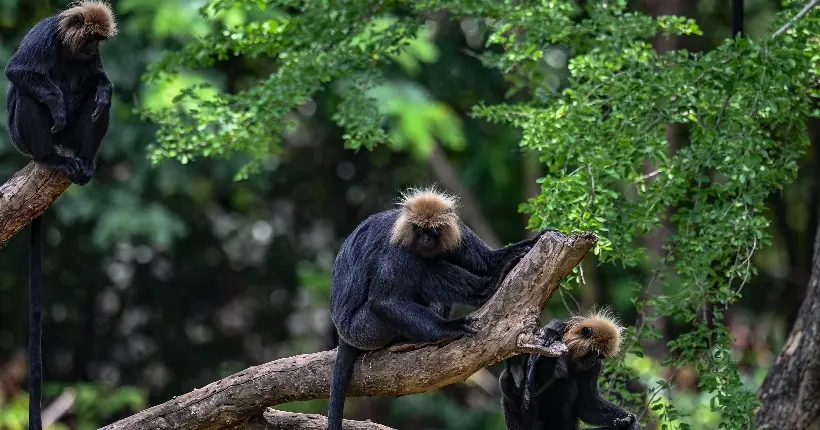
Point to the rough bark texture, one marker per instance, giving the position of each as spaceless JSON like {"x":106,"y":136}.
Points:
{"x":790,"y":395}
{"x":26,"y":196}
{"x":280,"y":420}
{"x":506,"y":326}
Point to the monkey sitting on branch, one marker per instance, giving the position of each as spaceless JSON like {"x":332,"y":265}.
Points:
{"x":59,"y":95}
{"x":555,"y":393}
{"x":397,"y":277}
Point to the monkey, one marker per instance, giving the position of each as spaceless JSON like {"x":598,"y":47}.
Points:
{"x":540,"y":392}
{"x":397,"y":276}
{"x":58,"y":95}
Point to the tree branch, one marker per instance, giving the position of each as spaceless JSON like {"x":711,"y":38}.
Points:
{"x":26,"y":196}
{"x":505,"y":325}
{"x":281,"y":420}
{"x":803,"y":12}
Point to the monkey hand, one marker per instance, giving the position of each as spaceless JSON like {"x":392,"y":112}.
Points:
{"x":84,"y":172}
{"x":102,"y":105}
{"x":629,"y":422}
{"x":59,"y":123}
{"x":467,"y":324}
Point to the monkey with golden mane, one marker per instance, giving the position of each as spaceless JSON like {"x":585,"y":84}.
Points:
{"x":58,"y":96}
{"x":398,"y":275}
{"x":556,"y":393}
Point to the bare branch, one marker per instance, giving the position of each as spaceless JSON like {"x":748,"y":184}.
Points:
{"x":281,"y":420}
{"x":26,"y":196}
{"x":803,"y":12}
{"x":59,"y":407}
{"x":512,"y":312}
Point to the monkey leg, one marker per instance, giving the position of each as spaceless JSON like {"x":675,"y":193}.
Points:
{"x":418,"y":323}
{"x":85,"y":135}
{"x":30,"y":129}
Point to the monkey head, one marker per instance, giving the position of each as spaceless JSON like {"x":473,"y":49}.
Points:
{"x":83,"y":26}
{"x":428,"y":223}
{"x":592,"y":337}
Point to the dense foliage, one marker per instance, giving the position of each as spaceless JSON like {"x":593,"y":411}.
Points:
{"x":595,"y":136}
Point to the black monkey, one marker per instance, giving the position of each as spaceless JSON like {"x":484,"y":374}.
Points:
{"x":555,"y":393}
{"x":59,"y":95}
{"x":397,"y":277}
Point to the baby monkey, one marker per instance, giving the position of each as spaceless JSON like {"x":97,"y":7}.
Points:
{"x":541,"y":392}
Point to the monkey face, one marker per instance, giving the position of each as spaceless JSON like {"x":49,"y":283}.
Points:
{"x":89,"y":49}
{"x":427,"y":241}
{"x":588,"y":360}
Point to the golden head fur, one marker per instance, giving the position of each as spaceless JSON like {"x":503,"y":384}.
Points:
{"x":428,"y":208}
{"x":84,"y":19}
{"x":595,"y":331}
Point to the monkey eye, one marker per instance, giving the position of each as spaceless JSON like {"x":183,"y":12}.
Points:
{"x":586,"y":332}
{"x":78,"y":21}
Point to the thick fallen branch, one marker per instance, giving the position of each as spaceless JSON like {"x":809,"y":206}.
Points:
{"x":507,"y":324}
{"x":281,"y":420}
{"x":26,"y":196}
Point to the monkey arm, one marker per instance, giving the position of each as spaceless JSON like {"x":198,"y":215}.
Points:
{"x":514,"y":416}
{"x":40,"y":88}
{"x":397,"y":293}
{"x":473,"y":254}
{"x":447,"y":283}
{"x":477,"y":257}
{"x":595,"y":410}
{"x":417,"y":322}
{"x":104,"y":89}
{"x":542,"y":372}
{"x":30,"y":67}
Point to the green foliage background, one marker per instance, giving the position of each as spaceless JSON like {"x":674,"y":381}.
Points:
{"x":167,"y":273}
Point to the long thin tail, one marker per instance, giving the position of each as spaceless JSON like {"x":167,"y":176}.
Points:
{"x":35,"y":326}
{"x":342,"y":371}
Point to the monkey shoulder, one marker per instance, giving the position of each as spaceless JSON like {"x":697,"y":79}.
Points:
{"x":43,"y":34}
{"x":37,"y":49}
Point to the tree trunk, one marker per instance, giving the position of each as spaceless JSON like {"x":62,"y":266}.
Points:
{"x":790,"y":395}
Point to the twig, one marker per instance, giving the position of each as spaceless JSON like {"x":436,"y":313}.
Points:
{"x":806,"y":9}
{"x":59,"y":407}
{"x":281,"y":420}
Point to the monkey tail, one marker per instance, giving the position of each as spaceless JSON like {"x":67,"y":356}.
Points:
{"x":35,"y":328}
{"x":342,"y":371}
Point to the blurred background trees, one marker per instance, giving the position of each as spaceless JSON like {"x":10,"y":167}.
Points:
{"x":164,"y":275}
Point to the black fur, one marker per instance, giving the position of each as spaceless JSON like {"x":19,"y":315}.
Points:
{"x":555,"y":393}
{"x":56,"y":98}
{"x":383,"y":293}
{"x":35,"y":328}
